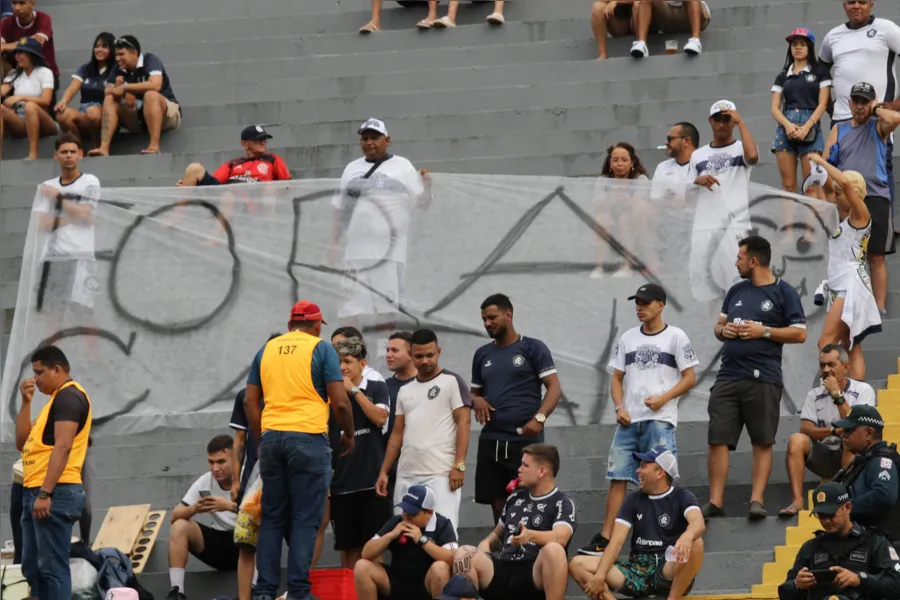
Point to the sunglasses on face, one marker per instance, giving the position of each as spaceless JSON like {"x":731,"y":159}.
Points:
{"x":672,"y":138}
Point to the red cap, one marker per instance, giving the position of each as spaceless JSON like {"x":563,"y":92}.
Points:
{"x":307,"y":311}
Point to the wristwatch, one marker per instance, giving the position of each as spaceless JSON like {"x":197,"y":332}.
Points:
{"x":540,"y":418}
{"x":43,"y":494}
{"x":839,"y":400}
{"x":767,"y":332}
{"x":355,"y":390}
{"x":423,"y":540}
{"x":461,"y":467}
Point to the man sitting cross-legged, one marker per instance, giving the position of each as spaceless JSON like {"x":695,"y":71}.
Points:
{"x":421,"y":543}
{"x":532,"y":535}
{"x":659,"y":515}
{"x":211,"y":494}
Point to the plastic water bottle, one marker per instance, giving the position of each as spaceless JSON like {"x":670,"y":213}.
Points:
{"x":671,"y":554}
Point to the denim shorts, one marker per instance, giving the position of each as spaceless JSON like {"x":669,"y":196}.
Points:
{"x":637,"y":437}
{"x":782,"y":143}
{"x":86,"y":105}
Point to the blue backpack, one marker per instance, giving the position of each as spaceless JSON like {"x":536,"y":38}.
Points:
{"x":115,"y":570}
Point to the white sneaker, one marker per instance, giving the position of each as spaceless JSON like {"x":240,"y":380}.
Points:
{"x":496,"y":19}
{"x":693,"y":47}
{"x":639,"y":49}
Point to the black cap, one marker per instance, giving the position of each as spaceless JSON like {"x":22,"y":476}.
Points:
{"x":459,"y":586}
{"x":650,"y":292}
{"x":863,"y":90}
{"x":861,"y":415}
{"x":254,"y":133}
{"x":828,"y":498}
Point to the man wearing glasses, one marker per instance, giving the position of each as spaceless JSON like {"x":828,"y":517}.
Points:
{"x":872,"y":478}
{"x":672,"y":176}
{"x":141,"y":98}
{"x":845,"y":560}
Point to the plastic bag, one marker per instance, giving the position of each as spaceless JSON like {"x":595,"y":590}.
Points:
{"x":84,"y":580}
{"x":252,"y":502}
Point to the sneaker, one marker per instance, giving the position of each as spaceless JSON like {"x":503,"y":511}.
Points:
{"x":596,"y":547}
{"x":711,"y":511}
{"x":496,"y":19}
{"x":639,"y":49}
{"x":175,"y":594}
{"x":757,"y":511}
{"x":693,"y":47}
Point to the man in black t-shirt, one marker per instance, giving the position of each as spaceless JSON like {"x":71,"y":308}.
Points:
{"x":399,"y":361}
{"x":759,"y":315}
{"x":532,"y":536}
{"x":421,"y":543}
{"x":660,"y":516}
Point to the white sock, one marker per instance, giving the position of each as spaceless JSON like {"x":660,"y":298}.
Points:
{"x":176,"y":579}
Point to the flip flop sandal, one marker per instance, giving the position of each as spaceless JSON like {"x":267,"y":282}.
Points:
{"x":789,"y":512}
{"x":146,"y":152}
{"x":425,"y":24}
{"x":368,"y":28}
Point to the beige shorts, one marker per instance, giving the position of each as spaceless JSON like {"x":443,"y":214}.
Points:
{"x":675,"y":19}
{"x":130,"y":118}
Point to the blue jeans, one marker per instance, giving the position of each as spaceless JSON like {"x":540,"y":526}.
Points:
{"x":637,"y":437}
{"x":45,"y":542}
{"x":295,"y":469}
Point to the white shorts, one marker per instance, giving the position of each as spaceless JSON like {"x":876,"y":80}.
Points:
{"x":446,"y":501}
{"x":371,"y":290}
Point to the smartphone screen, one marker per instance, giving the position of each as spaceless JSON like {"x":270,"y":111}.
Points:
{"x":824,"y":575}
{"x":205,"y":493}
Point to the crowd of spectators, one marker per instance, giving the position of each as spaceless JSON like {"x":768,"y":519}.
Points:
{"x":321,"y":437}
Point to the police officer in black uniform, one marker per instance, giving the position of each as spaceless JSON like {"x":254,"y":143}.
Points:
{"x":872,"y":477}
{"x":844,"y":560}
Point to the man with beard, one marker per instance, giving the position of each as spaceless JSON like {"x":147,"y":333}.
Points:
{"x":759,"y":315}
{"x":507,"y":376}
{"x":845,"y":559}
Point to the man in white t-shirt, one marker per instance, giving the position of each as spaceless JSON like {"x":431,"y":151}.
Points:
{"x":817,"y":446}
{"x":210,"y":494}
{"x":652,"y":368}
{"x":64,"y":207}
{"x":673,"y":176}
{"x":864,"y":48}
{"x":722,"y":217}
{"x":431,"y":431}
{"x":373,"y":209}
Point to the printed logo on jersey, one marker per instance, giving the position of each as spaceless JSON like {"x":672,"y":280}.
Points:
{"x":719,"y":163}
{"x":738,"y":303}
{"x":689,"y":354}
{"x":766,"y":305}
{"x":664,"y":520}
{"x":872,"y":33}
{"x":518,"y":360}
{"x":538,"y":520}
{"x":433,"y":392}
{"x":810,"y":77}
{"x":837,"y":232}
{"x":263,"y":168}
{"x":647,"y":357}
{"x":487,"y":364}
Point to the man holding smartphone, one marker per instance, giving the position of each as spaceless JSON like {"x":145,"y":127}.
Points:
{"x":844,"y":559}
{"x":210,"y":494}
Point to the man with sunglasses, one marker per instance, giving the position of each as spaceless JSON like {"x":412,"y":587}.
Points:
{"x":673,"y":176}
{"x":844,"y":559}
{"x":872,"y":477}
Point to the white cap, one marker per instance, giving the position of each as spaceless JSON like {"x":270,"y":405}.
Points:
{"x":817,"y":176}
{"x":373,"y":125}
{"x":721,"y":106}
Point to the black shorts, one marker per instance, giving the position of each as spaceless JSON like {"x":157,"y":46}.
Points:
{"x":497,"y":464}
{"x":219,"y":549}
{"x":405,"y":588}
{"x":209,"y":180}
{"x":512,"y":581}
{"x":734,"y":404}
{"x":881,"y":240}
{"x":356,"y":517}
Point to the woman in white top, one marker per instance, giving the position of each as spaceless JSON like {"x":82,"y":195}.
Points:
{"x":853,"y":313}
{"x":621,"y":204}
{"x":27,"y":94}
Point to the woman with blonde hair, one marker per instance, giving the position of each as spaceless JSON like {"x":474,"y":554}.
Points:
{"x":853,"y":313}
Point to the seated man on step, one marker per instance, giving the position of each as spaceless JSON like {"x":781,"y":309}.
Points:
{"x":211,"y":494}
{"x":532,"y":535}
{"x":666,"y":544}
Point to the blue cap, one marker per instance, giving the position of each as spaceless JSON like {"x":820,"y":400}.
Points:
{"x":31,"y":46}
{"x":804,"y":32}
{"x":661,"y":456}
{"x":417,"y":498}
{"x":459,"y":586}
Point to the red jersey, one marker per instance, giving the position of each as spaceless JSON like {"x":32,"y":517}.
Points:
{"x":267,"y":167}
{"x":11,"y":32}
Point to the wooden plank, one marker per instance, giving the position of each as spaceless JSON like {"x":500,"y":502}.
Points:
{"x":121,"y":527}
{"x":143,"y":545}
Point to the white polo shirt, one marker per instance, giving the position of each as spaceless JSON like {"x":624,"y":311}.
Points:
{"x":429,"y":433}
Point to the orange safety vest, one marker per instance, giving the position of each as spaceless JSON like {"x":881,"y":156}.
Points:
{"x":36,"y":454}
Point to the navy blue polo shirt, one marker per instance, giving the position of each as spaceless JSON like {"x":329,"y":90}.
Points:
{"x":510,"y":379}
{"x":149,"y":65}
{"x":93,"y":85}
{"x":775,"y":305}
{"x":801,"y":90}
